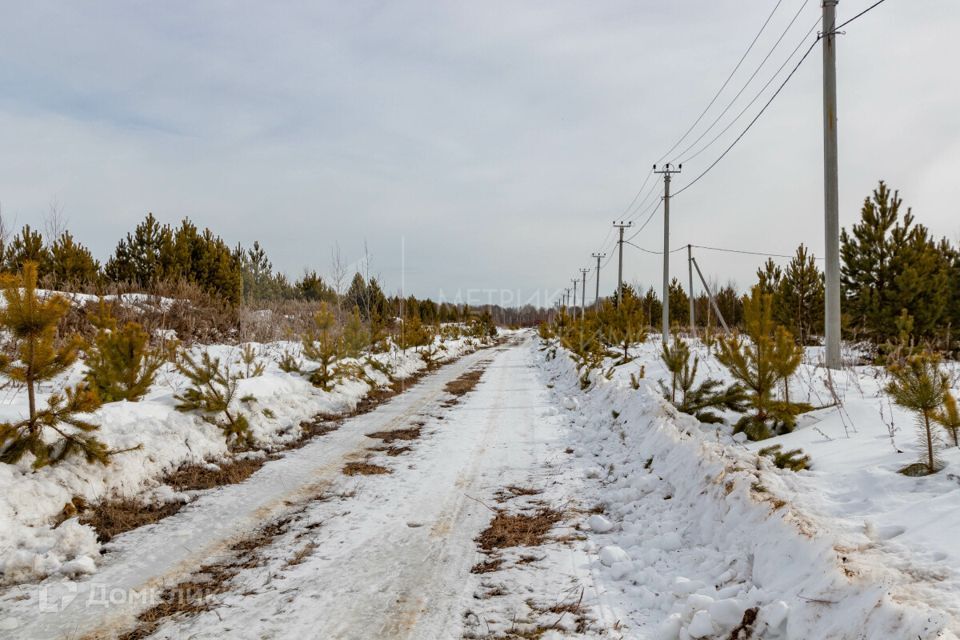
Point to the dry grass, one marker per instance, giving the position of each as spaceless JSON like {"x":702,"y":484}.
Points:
{"x":487,"y":566}
{"x":518,"y":530}
{"x":464,"y":383}
{"x":513,"y":491}
{"x":302,"y":554}
{"x":364,"y":469}
{"x":389,"y":437}
{"x":112,"y":517}
{"x":194,"y":477}
{"x":392,"y":451}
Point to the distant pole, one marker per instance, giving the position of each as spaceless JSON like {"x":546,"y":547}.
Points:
{"x":575,"y":282}
{"x":667,"y":171}
{"x":621,"y":226}
{"x":596,"y":301}
{"x":693,"y":329}
{"x":713,"y":301}
{"x":831,"y":198}
{"x":583,"y":294}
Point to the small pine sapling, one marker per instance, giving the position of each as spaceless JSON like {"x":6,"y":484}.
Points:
{"x":121,"y":364}
{"x":212,"y":391}
{"x":948,"y":417}
{"x":766,"y":357}
{"x":32,"y":324}
{"x":697,"y":401}
{"x":253,"y":366}
{"x":356,"y":338}
{"x":321,"y":346}
{"x":794,"y":460}
{"x":919,"y":385}
{"x":289,"y":362}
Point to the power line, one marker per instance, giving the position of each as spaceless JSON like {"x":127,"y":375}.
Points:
{"x":743,"y":251}
{"x":756,"y":97}
{"x":862,"y":13}
{"x":746,"y":84}
{"x":754,"y":121}
{"x":724,"y":85}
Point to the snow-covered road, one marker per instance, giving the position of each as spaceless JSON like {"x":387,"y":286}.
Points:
{"x":385,"y":556}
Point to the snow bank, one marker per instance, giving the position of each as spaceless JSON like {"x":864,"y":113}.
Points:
{"x":703,"y":531}
{"x":31,"y":501}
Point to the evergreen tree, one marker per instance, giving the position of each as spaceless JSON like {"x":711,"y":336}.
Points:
{"x":759,"y":362}
{"x":32,"y":323}
{"x":679,"y":304}
{"x":144,"y":257}
{"x":356,"y":296}
{"x":311,"y":287}
{"x":213,"y":393}
{"x":798,"y":304}
{"x":321,"y":346}
{"x":259,"y":282}
{"x":769,"y":276}
{"x":890,"y":264}
{"x":652,"y":307}
{"x":121,"y":365}
{"x":27,"y":246}
{"x":700,"y":401}
{"x":356,"y":338}
{"x":919,"y":385}
{"x":625,"y":324}
{"x":948,"y":417}
{"x":71,"y":263}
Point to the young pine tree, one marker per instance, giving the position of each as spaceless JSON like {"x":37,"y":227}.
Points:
{"x":321,"y":346}
{"x":356,"y":338}
{"x":919,"y":385}
{"x":799,"y":299}
{"x":699,"y":401}
{"x":32,"y":323}
{"x":767,"y":355}
{"x":212,"y":392}
{"x":121,"y":364}
{"x":948,"y":417}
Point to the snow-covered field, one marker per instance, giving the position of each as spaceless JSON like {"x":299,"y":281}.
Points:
{"x":32,"y":546}
{"x":668,"y":528}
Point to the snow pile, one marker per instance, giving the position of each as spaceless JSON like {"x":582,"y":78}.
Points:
{"x":700,"y":535}
{"x":33,"y":546}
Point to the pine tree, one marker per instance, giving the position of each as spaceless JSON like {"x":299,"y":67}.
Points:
{"x":623,"y":325}
{"x":121,"y":365}
{"x":71,"y":263}
{"x":679,"y":303}
{"x":212,"y":392}
{"x":253,"y":367}
{"x":794,"y":459}
{"x":356,"y":338}
{"x":32,"y":323}
{"x":759,"y":362}
{"x":798,"y":304}
{"x":891,"y":264}
{"x":948,"y":417}
{"x":321,"y":346}
{"x":311,"y":287}
{"x":27,"y":246}
{"x":699,"y":401}
{"x":145,"y":257}
{"x":769,"y":276}
{"x":919,"y":385}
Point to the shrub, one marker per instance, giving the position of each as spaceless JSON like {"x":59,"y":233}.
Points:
{"x":794,"y":460}
{"x":701,"y":400}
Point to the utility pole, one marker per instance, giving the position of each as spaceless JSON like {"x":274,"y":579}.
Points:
{"x":621,"y":226}
{"x":575,"y":282}
{"x":667,"y":171}
{"x":693,"y":327}
{"x":831,"y":198}
{"x":583,"y":294}
{"x":596,"y":302}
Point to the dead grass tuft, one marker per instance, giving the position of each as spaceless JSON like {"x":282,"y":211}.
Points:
{"x":110,"y":518}
{"x":487,"y":566}
{"x":518,"y":530}
{"x":397,"y":434}
{"x":193,"y":477}
{"x":364,"y":469}
{"x":514,"y":491}
{"x":462,"y":385}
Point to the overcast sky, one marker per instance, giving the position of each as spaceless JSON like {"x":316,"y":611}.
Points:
{"x":480,"y":145}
